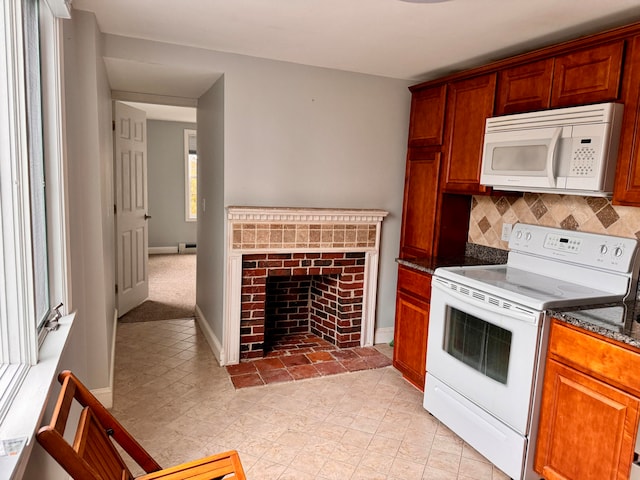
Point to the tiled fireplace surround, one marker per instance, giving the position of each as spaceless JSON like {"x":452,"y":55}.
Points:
{"x":321,"y":265}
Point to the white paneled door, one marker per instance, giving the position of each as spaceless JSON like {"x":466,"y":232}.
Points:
{"x":130,"y":178}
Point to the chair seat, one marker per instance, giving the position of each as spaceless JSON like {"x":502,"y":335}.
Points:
{"x":207,"y":468}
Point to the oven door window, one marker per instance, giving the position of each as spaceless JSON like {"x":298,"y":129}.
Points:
{"x":477,"y":343}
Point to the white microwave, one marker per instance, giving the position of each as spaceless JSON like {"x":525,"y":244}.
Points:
{"x":566,"y":150}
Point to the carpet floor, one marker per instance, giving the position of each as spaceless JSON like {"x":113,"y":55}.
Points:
{"x":172,"y":290}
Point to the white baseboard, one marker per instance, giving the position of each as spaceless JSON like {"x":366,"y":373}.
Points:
{"x":212,"y":340}
{"x":383,"y":335}
{"x":162,"y":250}
{"x":104,"y":396}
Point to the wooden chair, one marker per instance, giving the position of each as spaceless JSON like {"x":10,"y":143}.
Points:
{"x":93,"y":455}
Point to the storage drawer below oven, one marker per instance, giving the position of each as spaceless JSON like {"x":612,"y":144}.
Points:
{"x":501,"y":445}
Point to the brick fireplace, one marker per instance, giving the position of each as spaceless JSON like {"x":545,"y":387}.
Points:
{"x":292,"y":270}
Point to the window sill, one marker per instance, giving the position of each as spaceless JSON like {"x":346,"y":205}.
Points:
{"x":27,"y":408}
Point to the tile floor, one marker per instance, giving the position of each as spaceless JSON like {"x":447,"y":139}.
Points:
{"x":172,"y":395}
{"x":304,"y":356}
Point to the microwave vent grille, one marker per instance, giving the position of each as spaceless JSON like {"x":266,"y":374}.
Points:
{"x":586,"y":114}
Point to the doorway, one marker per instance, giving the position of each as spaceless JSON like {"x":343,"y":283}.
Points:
{"x":170,"y":225}
{"x":172,"y":289}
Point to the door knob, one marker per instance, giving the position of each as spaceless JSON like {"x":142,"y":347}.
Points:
{"x":147,"y":217}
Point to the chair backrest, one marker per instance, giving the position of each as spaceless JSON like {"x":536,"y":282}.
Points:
{"x":93,"y":454}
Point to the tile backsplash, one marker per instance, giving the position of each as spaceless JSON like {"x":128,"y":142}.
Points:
{"x":571,"y":212}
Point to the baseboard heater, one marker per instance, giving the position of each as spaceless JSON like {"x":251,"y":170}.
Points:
{"x":186,"y":248}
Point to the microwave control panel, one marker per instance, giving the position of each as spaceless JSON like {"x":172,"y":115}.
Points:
{"x":584,"y":152}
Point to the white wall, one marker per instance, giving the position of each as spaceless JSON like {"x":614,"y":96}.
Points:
{"x":166,"y":184}
{"x":298,"y":136}
{"x":211,"y":236}
{"x":90,"y":159}
{"x":313,"y":137}
{"x":88,"y":115}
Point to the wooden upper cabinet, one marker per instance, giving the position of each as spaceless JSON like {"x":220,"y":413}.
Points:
{"x":627,"y":187}
{"x":524,"y":88}
{"x":420,"y":203}
{"x":426,"y":123}
{"x":591,"y":75}
{"x":469,"y":104}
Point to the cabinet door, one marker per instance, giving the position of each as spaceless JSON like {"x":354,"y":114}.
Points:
{"x":627,"y":187}
{"x":420,"y":203}
{"x":591,"y":75}
{"x":587,"y":428}
{"x":524,"y":88}
{"x":426,"y":122}
{"x":412,"y":325}
{"x":469,"y":103}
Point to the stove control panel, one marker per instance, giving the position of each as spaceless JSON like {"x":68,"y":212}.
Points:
{"x":597,"y":250}
{"x":563,"y":243}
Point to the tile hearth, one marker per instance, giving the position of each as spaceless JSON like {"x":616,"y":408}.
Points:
{"x":303,"y":356}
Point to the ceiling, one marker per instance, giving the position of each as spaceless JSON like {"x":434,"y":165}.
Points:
{"x":393,"y":38}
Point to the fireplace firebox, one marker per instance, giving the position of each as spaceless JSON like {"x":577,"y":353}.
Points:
{"x":283,"y":294}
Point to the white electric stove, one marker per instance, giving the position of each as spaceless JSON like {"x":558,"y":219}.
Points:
{"x":488,"y":329}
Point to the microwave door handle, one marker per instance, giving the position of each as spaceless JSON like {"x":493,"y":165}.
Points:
{"x":551,"y":157}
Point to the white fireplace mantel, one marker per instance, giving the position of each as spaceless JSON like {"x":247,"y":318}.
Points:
{"x":322,"y":215}
{"x":293,"y":230}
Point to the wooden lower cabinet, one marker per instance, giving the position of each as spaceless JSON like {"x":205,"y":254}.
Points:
{"x":412,"y":325}
{"x":587,"y":427}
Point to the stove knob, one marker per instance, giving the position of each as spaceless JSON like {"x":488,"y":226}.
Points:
{"x":603,"y":249}
{"x":519,"y":234}
{"x":617,"y":252}
{"x":528,"y":236}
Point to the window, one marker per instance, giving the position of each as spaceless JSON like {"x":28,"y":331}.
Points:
{"x":191,"y":175}
{"x":35,"y":152}
{"x":31,"y":211}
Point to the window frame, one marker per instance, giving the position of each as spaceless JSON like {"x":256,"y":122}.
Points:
{"x":20,"y":337}
{"x":188,"y":217}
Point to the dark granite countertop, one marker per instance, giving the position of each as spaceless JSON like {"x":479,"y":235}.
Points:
{"x":474,"y":255}
{"x":429,"y":264}
{"x":617,"y":321}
